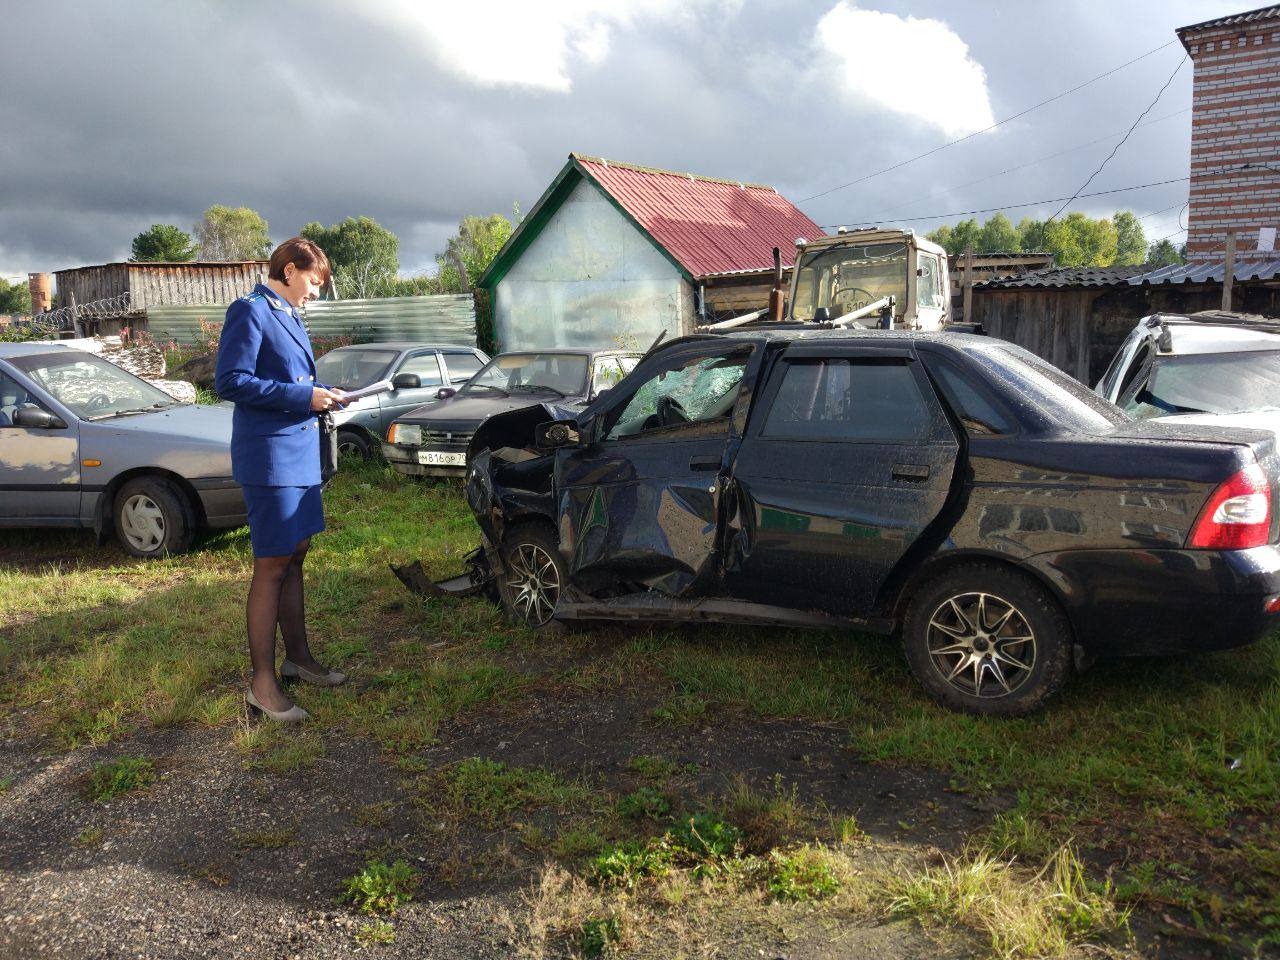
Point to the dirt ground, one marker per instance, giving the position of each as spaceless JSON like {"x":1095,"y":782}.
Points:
{"x":170,"y":876}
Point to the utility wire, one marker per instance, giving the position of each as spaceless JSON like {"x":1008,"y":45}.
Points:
{"x":1014,"y":206}
{"x":970,"y":136}
{"x":1116,"y":150}
{"x":1031,"y":163}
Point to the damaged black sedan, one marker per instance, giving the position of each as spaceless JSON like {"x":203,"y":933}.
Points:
{"x":1011,"y":525}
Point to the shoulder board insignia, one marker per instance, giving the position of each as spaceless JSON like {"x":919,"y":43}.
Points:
{"x":253,"y":296}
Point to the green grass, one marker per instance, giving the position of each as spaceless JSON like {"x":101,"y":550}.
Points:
{"x":1151,"y":761}
{"x":120,"y":776}
{"x":486,"y":791}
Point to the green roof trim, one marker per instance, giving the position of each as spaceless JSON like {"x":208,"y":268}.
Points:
{"x":547,"y":206}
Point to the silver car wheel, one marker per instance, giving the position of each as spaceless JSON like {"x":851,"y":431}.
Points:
{"x":981,"y":645}
{"x":143,"y":523}
{"x":534,"y":583}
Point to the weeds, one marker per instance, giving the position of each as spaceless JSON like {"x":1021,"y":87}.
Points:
{"x":380,"y":888}
{"x":486,"y":791}
{"x":377,"y":932}
{"x":807,"y":873}
{"x":598,"y":935}
{"x":1022,"y":916}
{"x":645,"y":803}
{"x":120,"y":776}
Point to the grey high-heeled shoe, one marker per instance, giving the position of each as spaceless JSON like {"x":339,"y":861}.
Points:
{"x":295,"y":714}
{"x":291,"y":671}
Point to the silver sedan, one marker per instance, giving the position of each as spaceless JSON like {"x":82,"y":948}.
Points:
{"x":84,"y":443}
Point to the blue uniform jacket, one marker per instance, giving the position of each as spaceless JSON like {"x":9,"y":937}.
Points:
{"x":266,"y":368}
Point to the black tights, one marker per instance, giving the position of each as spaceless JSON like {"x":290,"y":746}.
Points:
{"x":275,"y":597}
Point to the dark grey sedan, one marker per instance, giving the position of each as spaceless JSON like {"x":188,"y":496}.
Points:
{"x":418,"y":370}
{"x":432,"y":440}
{"x":84,"y":443}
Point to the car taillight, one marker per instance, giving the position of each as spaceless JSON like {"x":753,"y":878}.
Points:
{"x":1238,"y":514}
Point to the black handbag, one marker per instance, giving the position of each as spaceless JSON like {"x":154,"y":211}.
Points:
{"x":328,"y":446}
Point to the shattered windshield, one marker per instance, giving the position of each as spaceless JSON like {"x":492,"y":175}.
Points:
{"x":697,"y":390}
{"x":840,"y":280}
{"x":1210,"y":383}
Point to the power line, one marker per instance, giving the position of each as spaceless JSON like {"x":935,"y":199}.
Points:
{"x":970,"y":136}
{"x":1116,"y":150}
{"x":1030,"y":163}
{"x":1013,"y":206}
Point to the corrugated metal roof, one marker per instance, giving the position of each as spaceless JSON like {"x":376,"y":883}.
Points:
{"x":1210,"y":272}
{"x":710,"y":226}
{"x":1249,"y":16}
{"x":1064,"y":277}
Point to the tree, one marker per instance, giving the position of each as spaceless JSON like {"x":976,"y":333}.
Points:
{"x":469,"y":254}
{"x":1080,"y":241}
{"x":1031,"y":235}
{"x":1131,"y":242}
{"x":997,"y":236}
{"x":955,"y":239}
{"x":364,"y":256}
{"x":163,"y":242}
{"x":1164,"y":254}
{"x":14,"y":297}
{"x":232,"y":233}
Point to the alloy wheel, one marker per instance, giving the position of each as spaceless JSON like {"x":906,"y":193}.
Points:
{"x":981,"y":645}
{"x":143,"y":523}
{"x":534,"y":583}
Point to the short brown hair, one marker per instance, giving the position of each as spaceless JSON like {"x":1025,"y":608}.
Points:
{"x":303,"y":254}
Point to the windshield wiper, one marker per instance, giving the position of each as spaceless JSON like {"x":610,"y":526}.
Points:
{"x":534,"y":387}
{"x":488,"y":386}
{"x":131,"y":411}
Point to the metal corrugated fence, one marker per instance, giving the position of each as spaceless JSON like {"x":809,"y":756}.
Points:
{"x":449,"y":319}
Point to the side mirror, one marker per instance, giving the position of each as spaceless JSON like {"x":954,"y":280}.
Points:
{"x":558,"y":433}
{"x":37,"y":419}
{"x":444,"y":393}
{"x":406,"y":381}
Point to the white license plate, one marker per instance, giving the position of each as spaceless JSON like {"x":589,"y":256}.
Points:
{"x":432,"y":458}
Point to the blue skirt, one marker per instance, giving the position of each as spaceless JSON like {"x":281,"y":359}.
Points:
{"x":281,"y":517}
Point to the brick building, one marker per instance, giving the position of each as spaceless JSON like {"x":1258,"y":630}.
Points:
{"x":1235,"y":134}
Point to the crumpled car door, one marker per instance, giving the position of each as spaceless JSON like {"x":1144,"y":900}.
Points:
{"x":640,"y":507}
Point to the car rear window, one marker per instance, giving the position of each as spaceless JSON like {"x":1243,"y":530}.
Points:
{"x":1044,"y":393}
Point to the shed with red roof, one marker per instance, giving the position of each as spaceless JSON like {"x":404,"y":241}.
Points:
{"x":613,"y":253}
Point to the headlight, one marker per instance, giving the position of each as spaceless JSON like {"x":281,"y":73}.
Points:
{"x":406,"y":433}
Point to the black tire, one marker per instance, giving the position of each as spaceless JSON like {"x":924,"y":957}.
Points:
{"x":153,"y":518}
{"x":988,"y":640}
{"x":531,"y":563}
{"x":354,"y":443}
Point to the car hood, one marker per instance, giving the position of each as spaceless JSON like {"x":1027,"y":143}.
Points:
{"x":467,"y":413}
{"x":186,"y":423}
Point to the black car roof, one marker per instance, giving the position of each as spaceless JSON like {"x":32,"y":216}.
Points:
{"x":960,"y":340}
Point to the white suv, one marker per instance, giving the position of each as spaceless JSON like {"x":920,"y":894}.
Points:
{"x":1210,"y":367}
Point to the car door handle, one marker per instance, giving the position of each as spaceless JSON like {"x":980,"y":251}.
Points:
{"x":910,"y":471}
{"x":704,"y":463}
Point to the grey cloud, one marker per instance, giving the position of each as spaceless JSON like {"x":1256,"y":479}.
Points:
{"x":152,"y":111}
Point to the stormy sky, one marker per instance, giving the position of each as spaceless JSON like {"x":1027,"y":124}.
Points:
{"x":119,"y":115}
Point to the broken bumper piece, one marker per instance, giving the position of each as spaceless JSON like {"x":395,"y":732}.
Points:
{"x":478,"y":578}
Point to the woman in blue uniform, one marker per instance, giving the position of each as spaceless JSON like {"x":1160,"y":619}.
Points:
{"x":266,"y":367}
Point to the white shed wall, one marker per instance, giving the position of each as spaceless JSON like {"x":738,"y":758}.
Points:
{"x":590,"y":279}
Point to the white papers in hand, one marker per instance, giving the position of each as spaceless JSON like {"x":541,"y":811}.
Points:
{"x":382,"y":386}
